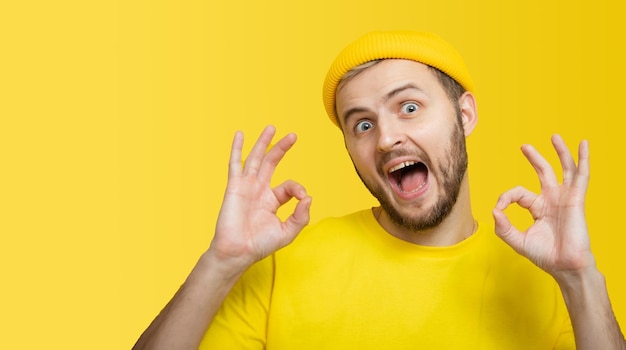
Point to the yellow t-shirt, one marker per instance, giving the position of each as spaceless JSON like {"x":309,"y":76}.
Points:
{"x":345,"y":283}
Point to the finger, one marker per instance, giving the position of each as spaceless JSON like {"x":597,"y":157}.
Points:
{"x":234,"y":164}
{"x":275,"y":155}
{"x":544,"y":170}
{"x":257,"y":153}
{"x":506,"y":231}
{"x":287,"y":190}
{"x":299,"y":218}
{"x":520,"y":195}
{"x":582,"y":176}
{"x":567,"y":161}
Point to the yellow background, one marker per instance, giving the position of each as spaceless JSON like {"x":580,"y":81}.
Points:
{"x":116,"y":119}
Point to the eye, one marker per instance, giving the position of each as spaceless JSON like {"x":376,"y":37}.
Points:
{"x":409,"y":107}
{"x":363,"y":126}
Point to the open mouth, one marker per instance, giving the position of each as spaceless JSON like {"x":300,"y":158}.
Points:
{"x":409,"y":176}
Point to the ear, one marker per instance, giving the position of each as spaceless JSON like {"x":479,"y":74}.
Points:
{"x":469,"y":112}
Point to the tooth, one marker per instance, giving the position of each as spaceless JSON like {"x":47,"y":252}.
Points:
{"x":401,"y":165}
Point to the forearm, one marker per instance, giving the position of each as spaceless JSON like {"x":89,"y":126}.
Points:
{"x":185,"y":319}
{"x":589,"y":307}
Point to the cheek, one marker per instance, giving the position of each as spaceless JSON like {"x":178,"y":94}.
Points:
{"x":360,"y":157}
{"x":351,"y":147}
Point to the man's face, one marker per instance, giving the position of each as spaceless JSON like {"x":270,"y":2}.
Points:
{"x":406,"y":141}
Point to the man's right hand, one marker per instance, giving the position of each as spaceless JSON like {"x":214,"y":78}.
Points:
{"x":247,"y":231}
{"x":248,"y":228}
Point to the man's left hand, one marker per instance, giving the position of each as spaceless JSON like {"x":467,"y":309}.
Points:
{"x":558,"y":241}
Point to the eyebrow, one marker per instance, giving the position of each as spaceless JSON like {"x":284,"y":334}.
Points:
{"x":394,"y":92}
{"x":387,"y":97}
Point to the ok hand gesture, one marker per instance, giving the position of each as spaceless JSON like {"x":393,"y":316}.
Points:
{"x":558,"y":241}
{"x":247,"y":227}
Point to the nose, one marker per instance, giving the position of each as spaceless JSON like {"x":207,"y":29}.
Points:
{"x":390,"y":134}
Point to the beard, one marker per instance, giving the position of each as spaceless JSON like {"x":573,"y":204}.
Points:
{"x":450,"y":179}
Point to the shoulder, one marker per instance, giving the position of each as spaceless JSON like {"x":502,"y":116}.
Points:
{"x":336,"y":228}
{"x":351,"y":221}
{"x":516,"y":294}
{"x":513,"y":280}
{"x":329,"y":238}
{"x":507,"y":262}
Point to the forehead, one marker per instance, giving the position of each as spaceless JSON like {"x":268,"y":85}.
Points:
{"x":376,"y":81}
{"x":384,"y":74}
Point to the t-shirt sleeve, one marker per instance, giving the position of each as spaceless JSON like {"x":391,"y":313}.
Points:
{"x":241,"y":322}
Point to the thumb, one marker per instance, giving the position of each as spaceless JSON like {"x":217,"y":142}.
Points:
{"x":505,"y":230}
{"x":299,"y":218}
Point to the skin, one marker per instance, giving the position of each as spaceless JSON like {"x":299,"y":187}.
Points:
{"x":558,"y":242}
{"x":237,"y":243}
{"x":395,"y":135}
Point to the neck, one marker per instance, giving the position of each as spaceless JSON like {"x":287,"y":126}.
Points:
{"x":456,"y":227}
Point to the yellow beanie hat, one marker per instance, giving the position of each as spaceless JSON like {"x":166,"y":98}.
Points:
{"x":426,"y":48}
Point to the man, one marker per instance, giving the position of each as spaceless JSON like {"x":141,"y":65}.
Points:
{"x":416,"y":272}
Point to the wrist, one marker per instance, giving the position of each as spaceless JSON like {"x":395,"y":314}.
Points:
{"x":581,"y":285}
{"x":574,"y":271}
{"x":211,"y":269}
